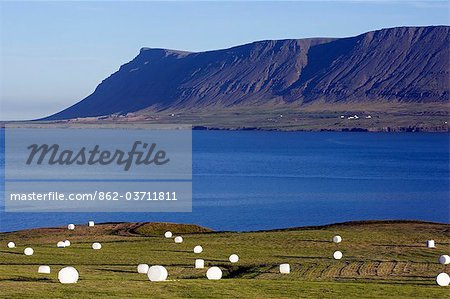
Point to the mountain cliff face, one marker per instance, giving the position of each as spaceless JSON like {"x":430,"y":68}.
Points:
{"x":406,"y":65}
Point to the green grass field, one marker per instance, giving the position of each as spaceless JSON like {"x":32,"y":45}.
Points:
{"x":381,"y":260}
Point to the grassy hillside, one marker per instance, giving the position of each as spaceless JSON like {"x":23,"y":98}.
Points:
{"x":384,"y":117}
{"x":381,"y":259}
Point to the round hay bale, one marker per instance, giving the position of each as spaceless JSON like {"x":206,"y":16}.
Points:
{"x":61,"y":244}
{"x":337,"y":255}
{"x":285,"y":268}
{"x":443,"y":279}
{"x":199,"y":263}
{"x":68,"y":275}
{"x":179,"y":239}
{"x":198,"y":249}
{"x":96,"y":246}
{"x":234,"y":258}
{"x":91,"y":223}
{"x":71,"y":226}
{"x":28,"y":251}
{"x":430,"y":244}
{"x":142,"y":268}
{"x":44,"y":269}
{"x":168,"y":234}
{"x":337,"y":239}
{"x":214,"y":273}
{"x":11,"y":245}
{"x":157,"y":273}
{"x":444,"y":259}
{"x":67,"y":243}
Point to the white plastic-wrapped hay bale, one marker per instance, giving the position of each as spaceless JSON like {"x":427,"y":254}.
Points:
{"x":430,"y":244}
{"x":44,"y":269}
{"x":11,"y":245}
{"x":68,"y":275}
{"x":337,"y":239}
{"x":168,"y":234}
{"x":337,"y":255}
{"x":66,"y":243}
{"x":198,"y":249}
{"x":91,"y":223}
{"x":234,"y":258}
{"x":443,"y":279}
{"x":179,"y":239}
{"x":28,"y":251}
{"x":157,"y":273}
{"x":61,"y":244}
{"x":71,"y":226}
{"x":142,"y":268}
{"x":199,"y":263}
{"x":96,"y":246}
{"x":214,"y":273}
{"x":444,"y":259}
{"x":285,"y":268}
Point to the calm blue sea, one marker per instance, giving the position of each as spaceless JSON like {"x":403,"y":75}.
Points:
{"x":251,"y":180}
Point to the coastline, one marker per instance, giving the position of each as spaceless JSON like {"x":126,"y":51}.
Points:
{"x":79,"y":124}
{"x":203,"y":229}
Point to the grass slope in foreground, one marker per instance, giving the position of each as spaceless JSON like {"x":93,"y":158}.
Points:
{"x":381,"y":259}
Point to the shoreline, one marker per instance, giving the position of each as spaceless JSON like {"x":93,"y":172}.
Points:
{"x":378,"y":259}
{"x":209,"y":230}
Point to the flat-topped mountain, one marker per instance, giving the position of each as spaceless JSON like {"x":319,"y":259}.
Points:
{"x":404,"y":65}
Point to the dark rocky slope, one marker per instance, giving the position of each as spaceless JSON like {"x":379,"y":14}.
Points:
{"x":401,"y":65}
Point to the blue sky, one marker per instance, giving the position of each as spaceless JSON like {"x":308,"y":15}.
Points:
{"x":53,"y":54}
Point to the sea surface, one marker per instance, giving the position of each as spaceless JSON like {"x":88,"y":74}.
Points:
{"x":253,"y":180}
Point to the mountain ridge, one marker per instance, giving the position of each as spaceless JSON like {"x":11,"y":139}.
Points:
{"x":398,"y":65}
